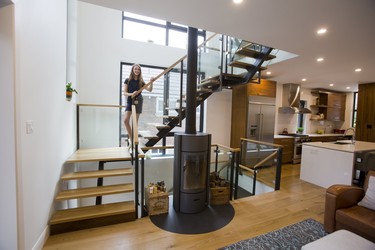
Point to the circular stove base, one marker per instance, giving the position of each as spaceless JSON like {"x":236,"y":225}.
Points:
{"x":210,"y":219}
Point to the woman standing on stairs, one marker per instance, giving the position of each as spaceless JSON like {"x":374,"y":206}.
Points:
{"x":132,"y":86}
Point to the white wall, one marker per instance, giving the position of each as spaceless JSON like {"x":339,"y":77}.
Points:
{"x":8,"y":205}
{"x":40,"y":77}
{"x":218,"y":117}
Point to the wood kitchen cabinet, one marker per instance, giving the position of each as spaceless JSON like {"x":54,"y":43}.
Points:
{"x":365,"y":123}
{"x":326,"y":138}
{"x":265,"y":88}
{"x":336,"y":100}
{"x":288,"y":144}
{"x":330,"y":104}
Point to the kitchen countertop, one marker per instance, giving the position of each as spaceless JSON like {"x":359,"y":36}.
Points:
{"x":310,"y":135}
{"x":358,"y":146}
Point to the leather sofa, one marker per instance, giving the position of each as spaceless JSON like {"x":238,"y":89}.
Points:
{"x":342,"y":211}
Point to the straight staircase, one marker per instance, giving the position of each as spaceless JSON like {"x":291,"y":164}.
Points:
{"x":98,"y":214}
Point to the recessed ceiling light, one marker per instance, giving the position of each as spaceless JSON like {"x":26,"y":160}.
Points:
{"x":304,"y":79}
{"x":268,"y":73}
{"x":321,"y":31}
{"x":237,"y":1}
{"x":331,"y":85}
{"x":320,"y":59}
{"x":358,"y":70}
{"x":347,"y":87}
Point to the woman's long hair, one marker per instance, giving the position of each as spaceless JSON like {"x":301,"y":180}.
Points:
{"x":140,"y":77}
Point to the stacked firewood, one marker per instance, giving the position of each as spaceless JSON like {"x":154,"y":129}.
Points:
{"x":217,"y":181}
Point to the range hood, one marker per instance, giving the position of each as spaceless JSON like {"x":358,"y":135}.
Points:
{"x":290,"y":100}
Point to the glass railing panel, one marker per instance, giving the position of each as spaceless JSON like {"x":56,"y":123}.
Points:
{"x":221,"y":162}
{"x":259,"y":163}
{"x":159,"y":168}
{"x":209,"y":58}
{"x":98,"y":126}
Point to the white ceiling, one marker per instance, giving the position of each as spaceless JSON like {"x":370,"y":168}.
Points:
{"x":288,"y":25}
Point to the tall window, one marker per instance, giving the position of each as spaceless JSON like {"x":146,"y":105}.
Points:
{"x":301,"y":117}
{"x":355,"y":102}
{"x":152,"y":30}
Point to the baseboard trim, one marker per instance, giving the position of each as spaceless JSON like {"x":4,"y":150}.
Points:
{"x":42,"y":239}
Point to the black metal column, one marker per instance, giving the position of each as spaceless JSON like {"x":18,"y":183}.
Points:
{"x":191,"y":88}
{"x":99,"y":183}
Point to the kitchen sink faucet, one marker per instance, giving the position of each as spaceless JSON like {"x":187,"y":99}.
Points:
{"x":353,"y":135}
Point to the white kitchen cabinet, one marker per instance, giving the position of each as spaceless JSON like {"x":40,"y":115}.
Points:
{"x":327,"y":163}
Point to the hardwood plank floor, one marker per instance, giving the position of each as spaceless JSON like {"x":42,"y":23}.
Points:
{"x":297,"y":200}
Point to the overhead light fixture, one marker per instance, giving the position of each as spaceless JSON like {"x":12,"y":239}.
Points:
{"x":331,"y":85}
{"x":237,"y":1}
{"x":358,"y":70}
{"x":321,"y":31}
{"x":320,"y":59}
{"x":347,"y":87}
{"x":304,"y":79}
{"x":268,"y":72}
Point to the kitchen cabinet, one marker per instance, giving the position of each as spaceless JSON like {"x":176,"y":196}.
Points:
{"x":265,"y":88}
{"x":336,"y":100}
{"x":330,"y":104}
{"x":365,"y":123}
{"x":327,"y":138}
{"x":325,"y":164}
{"x":288,"y":144}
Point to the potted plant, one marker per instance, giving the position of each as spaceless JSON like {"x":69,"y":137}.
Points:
{"x":69,"y":91}
{"x":299,"y":130}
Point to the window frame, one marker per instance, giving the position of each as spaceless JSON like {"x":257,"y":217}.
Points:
{"x":355,"y":105}
{"x":168,"y":26}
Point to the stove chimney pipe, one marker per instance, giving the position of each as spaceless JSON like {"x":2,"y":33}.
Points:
{"x":191,"y":86}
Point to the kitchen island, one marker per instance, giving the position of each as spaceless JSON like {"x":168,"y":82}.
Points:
{"x":328,"y":163}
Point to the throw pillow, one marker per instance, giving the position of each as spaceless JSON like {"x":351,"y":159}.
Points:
{"x":369,"y":200}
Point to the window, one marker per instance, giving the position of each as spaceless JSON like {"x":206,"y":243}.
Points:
{"x":301,"y":117}
{"x":152,"y":30}
{"x":355,"y":103}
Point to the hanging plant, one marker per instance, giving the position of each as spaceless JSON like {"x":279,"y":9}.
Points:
{"x":69,"y":91}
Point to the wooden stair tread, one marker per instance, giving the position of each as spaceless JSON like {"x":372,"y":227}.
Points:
{"x":175,"y":109}
{"x":97,"y":174}
{"x":100,"y":154}
{"x":204,"y":90}
{"x":89,"y":212}
{"x":159,"y":126}
{"x":209,"y":82}
{"x":95,"y":191}
{"x":244,"y":65}
{"x":148,"y":134}
{"x":253,"y":53}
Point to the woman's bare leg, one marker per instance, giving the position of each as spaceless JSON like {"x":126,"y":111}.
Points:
{"x":127,"y":123}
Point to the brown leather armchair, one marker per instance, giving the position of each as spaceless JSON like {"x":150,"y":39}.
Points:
{"x":342,"y":211}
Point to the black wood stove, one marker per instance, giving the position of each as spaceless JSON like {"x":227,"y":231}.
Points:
{"x":192,"y":149}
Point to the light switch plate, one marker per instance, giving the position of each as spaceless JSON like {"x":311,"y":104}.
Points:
{"x":29,"y":127}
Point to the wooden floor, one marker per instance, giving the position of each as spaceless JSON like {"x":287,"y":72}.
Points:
{"x":297,"y":200}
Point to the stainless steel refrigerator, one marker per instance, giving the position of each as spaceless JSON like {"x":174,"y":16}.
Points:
{"x":261,"y":119}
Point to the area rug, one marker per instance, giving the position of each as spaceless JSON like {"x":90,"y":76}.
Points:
{"x":290,"y":237}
